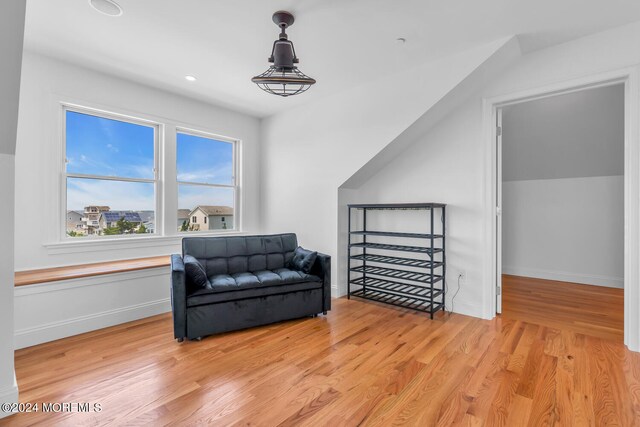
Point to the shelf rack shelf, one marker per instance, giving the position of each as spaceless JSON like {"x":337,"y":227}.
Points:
{"x":376,"y":270}
{"x":395,"y":234}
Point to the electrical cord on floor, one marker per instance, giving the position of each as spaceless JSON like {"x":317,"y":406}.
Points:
{"x":446,"y":292}
{"x":455,"y":294}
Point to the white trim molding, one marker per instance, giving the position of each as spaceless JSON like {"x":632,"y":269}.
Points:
{"x":9,"y":395}
{"x":466,"y":308}
{"x":565,"y":276}
{"x":107,"y":243}
{"x":628,"y":77}
{"x":81,"y":282}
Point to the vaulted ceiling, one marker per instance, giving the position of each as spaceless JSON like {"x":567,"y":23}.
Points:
{"x":341,"y":43}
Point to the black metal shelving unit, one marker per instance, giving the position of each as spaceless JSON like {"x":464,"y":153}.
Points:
{"x":378,"y":269}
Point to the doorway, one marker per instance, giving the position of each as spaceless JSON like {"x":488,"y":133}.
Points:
{"x":623,"y":82}
{"x":561,"y":218}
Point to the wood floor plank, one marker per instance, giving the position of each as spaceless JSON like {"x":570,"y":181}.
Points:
{"x":363,"y":364}
{"x":592,"y":310}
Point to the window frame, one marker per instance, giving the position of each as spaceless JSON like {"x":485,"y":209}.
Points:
{"x":165,"y":153}
{"x":235,"y":185}
{"x":158,"y":196}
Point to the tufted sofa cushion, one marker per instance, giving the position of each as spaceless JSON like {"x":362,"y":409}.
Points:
{"x":279,"y":276}
{"x":241,"y":254}
{"x":225,"y":287}
{"x":202,"y":297}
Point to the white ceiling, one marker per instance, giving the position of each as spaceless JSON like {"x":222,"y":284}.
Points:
{"x":341,"y":43}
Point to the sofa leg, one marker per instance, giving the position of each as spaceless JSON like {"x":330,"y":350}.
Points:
{"x":324,"y":312}
{"x":198,"y":339}
{"x":179,"y":339}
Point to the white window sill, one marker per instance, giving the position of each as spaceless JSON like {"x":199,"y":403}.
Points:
{"x":96,"y":245}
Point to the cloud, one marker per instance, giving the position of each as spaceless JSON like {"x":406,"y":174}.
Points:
{"x":136,"y":196}
{"x":107,"y":125}
{"x":112,"y":148}
{"x":140,"y":170}
{"x":220,"y":175}
{"x":115,"y":194}
{"x":99,"y":167}
{"x":139,"y":167}
{"x":190,"y":196}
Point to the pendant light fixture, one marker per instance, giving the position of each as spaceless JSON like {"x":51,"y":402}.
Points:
{"x":283,"y":77}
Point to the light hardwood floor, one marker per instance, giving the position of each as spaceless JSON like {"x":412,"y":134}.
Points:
{"x":363,"y":364}
{"x":591,"y":310}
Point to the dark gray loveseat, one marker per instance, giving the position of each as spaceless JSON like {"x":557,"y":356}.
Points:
{"x":250,"y":285}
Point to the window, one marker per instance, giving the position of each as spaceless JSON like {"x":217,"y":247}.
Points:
{"x":110,"y":174}
{"x":206,"y":179}
{"x":115,"y":183}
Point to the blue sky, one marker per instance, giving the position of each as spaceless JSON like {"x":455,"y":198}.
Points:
{"x":204,"y":160}
{"x":105,"y":147}
{"x":99,"y":146}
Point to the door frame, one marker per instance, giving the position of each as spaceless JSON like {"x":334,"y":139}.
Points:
{"x":629,"y":78}
{"x":498,"y":216}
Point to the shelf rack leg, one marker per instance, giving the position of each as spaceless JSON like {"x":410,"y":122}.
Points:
{"x":444,"y":258}
{"x":349,"y":253}
{"x":432,"y":261}
{"x":364,"y":253}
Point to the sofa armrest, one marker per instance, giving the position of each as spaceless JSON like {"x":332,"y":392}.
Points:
{"x":322,"y":269}
{"x":178,"y":297}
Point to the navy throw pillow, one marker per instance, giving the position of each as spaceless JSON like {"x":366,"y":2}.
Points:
{"x":196,"y":275}
{"x":303,"y":260}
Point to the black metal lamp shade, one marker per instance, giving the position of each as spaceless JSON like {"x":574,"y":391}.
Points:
{"x":283,"y":82}
{"x":283,"y":78}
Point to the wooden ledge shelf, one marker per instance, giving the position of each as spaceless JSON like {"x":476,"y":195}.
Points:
{"x":46,"y":275}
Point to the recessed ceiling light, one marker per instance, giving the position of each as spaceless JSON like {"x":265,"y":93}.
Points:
{"x":108,"y":7}
{"x":190,"y":78}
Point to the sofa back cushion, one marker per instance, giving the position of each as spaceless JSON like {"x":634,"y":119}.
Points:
{"x":237,"y":254}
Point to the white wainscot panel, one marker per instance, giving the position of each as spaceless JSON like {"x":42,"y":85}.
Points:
{"x":49,"y":311}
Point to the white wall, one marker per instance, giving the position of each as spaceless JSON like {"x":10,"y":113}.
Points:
{"x":45,"y":83}
{"x":8,"y":386}
{"x":311,"y":151}
{"x":569,"y":229}
{"x":442,"y":167}
{"x":11,"y":37}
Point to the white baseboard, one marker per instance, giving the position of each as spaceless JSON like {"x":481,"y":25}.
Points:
{"x":81,"y":324}
{"x":587,"y":279}
{"x":335,"y":292}
{"x":9,"y":395}
{"x":463,"y":307}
